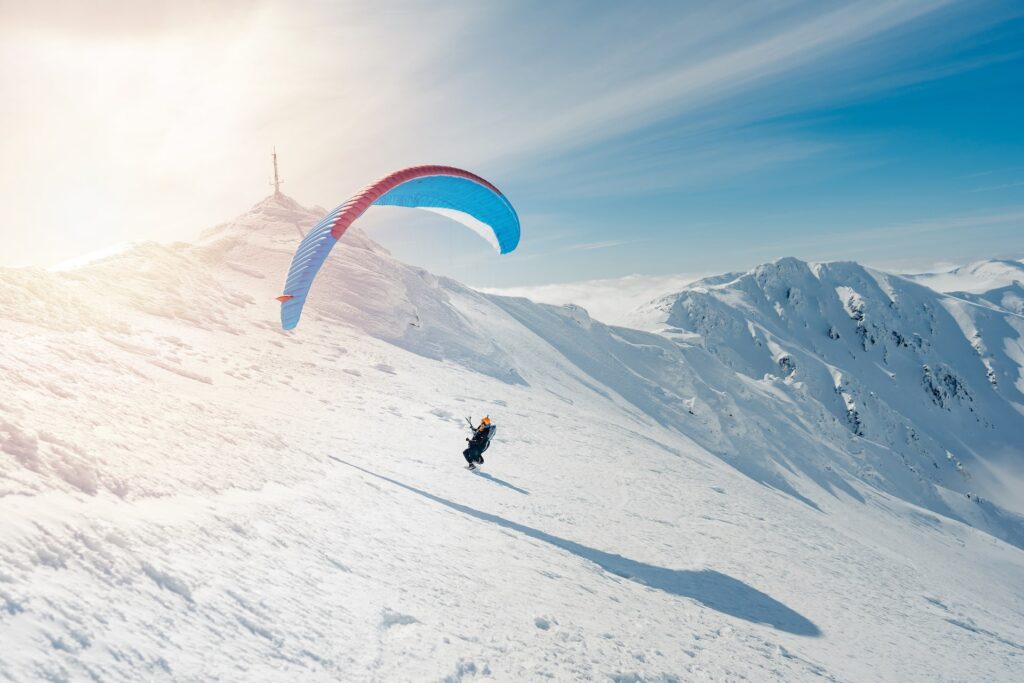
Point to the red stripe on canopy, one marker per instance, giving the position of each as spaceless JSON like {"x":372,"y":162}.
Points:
{"x":363,"y":199}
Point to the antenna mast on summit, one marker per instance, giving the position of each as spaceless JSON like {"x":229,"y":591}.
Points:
{"x":277,"y":181}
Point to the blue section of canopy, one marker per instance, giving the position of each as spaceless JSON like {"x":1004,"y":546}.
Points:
{"x":452,"y":193}
{"x":312,"y":253}
{"x":460,"y":194}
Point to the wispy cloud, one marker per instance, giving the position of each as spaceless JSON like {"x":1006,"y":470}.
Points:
{"x":919,"y":245}
{"x":177,"y":105}
{"x":610,"y":300}
{"x":991,"y":188}
{"x":745,"y":62}
{"x":590,"y":246}
{"x":972,"y":220}
{"x":991,"y":171}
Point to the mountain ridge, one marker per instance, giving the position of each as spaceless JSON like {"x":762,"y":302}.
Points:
{"x":178,"y":475}
{"x":855,"y":336}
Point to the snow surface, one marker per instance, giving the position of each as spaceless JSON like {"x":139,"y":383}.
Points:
{"x":995,"y":284}
{"x":765,"y":483}
{"x":974,"y":278}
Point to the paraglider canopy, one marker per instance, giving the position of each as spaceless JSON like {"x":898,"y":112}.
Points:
{"x":446,"y":190}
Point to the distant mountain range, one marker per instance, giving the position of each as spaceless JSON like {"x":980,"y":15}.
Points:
{"x":771,"y":460}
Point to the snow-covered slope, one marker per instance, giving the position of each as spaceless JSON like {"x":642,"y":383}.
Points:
{"x":976,"y":278}
{"x":930,"y":387}
{"x":997,"y":283}
{"x":189,"y":493}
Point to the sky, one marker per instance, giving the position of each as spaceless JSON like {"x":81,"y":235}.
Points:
{"x":656,"y":139}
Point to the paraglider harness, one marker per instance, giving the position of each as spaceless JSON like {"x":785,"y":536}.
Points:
{"x":478,"y":443}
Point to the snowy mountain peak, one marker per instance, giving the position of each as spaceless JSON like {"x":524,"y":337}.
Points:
{"x":794,"y":450}
{"x":278,"y":201}
{"x":974,"y":278}
{"x":278,"y":218}
{"x":933,"y":379}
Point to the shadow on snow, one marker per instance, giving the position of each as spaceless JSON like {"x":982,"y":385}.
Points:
{"x":500,"y":482}
{"x":712,"y":589}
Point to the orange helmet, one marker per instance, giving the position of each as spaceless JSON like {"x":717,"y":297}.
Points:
{"x":485,"y":421}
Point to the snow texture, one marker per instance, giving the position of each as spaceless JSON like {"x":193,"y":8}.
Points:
{"x":802,"y":472}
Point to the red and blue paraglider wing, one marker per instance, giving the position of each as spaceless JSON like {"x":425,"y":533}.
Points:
{"x":452,"y":192}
